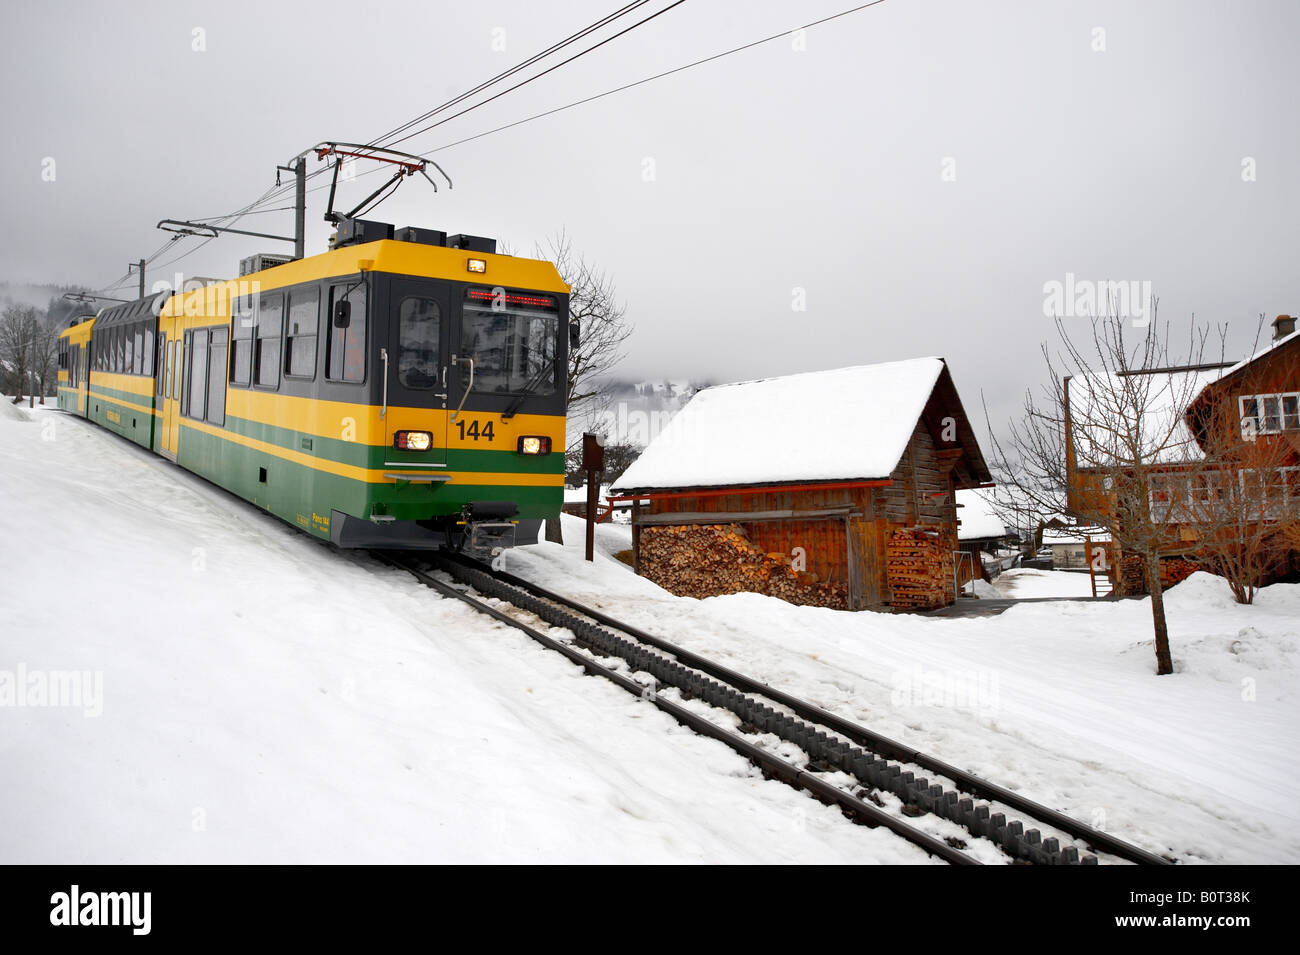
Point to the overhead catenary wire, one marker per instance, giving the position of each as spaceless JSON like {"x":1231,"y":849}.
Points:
{"x":505,"y":74}
{"x":641,"y":82}
{"x":538,"y":76}
{"x":277,"y":191}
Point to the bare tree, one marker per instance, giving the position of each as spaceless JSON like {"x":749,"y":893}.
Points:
{"x":1104,"y":430}
{"x":18,"y":330}
{"x":603,"y":330}
{"x":45,"y":354}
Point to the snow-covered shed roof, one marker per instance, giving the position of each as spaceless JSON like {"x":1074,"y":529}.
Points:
{"x":1103,"y":408}
{"x":839,"y":425}
{"x":977,"y":517}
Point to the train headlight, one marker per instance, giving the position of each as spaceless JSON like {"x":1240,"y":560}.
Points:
{"x":477,"y":265}
{"x":413,"y":440}
{"x":530,"y":444}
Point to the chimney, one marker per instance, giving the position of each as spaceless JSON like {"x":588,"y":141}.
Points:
{"x":1283,"y":326}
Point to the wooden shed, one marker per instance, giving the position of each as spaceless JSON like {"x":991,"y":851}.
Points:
{"x":830,"y":488}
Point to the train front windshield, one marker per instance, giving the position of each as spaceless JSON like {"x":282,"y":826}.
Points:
{"x":514,"y":347}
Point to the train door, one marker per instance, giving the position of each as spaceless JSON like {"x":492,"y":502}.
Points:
{"x":169,"y":373}
{"x":83,"y":379}
{"x":416,"y":364}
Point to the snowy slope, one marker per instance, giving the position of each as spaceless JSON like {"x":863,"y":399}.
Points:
{"x":268,"y":699}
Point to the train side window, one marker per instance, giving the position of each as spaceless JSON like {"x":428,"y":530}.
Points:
{"x":197,"y":372}
{"x":176,"y":381}
{"x":128,"y":350}
{"x":217,"y":376}
{"x":419,"y":322}
{"x":304,"y":309}
{"x":161,"y":384}
{"x":266,"y":354}
{"x":183,"y":375}
{"x":171,"y":358}
{"x":241,"y":341}
{"x":346,"y":349}
{"x":148,"y":352}
{"x":137,"y":362}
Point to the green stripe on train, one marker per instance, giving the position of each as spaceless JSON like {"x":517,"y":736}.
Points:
{"x":305,"y":496}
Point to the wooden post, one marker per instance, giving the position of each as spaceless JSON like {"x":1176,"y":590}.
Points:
{"x":593,"y":463}
{"x":636,"y":536}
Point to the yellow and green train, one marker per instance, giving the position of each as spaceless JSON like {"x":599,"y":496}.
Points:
{"x":407,"y":391}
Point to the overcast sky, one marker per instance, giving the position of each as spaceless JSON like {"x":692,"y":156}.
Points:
{"x":919,"y":169}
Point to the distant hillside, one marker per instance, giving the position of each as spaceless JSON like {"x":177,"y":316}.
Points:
{"x":47,"y":298}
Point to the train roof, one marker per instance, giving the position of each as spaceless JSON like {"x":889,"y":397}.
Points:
{"x":391,"y":256}
{"x":128,"y":313}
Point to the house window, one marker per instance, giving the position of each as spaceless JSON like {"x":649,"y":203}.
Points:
{"x":1271,"y":494}
{"x":1269,"y":414}
{"x":1168,"y":495}
{"x":1210,"y":487}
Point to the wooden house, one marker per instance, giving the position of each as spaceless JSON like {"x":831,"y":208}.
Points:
{"x":832,"y":488}
{"x":1234,"y":446}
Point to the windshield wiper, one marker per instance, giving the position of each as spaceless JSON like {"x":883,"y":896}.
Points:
{"x":532,"y":383}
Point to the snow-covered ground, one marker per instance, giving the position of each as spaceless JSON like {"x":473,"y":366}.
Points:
{"x":264,"y":698}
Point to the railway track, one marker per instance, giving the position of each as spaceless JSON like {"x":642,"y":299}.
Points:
{"x":874,"y":780}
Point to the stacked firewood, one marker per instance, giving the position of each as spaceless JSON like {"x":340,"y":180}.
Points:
{"x":706,"y":560}
{"x":919,"y":562}
{"x":1133,"y":573}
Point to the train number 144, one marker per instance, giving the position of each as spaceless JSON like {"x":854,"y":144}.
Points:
{"x":474,"y":431}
